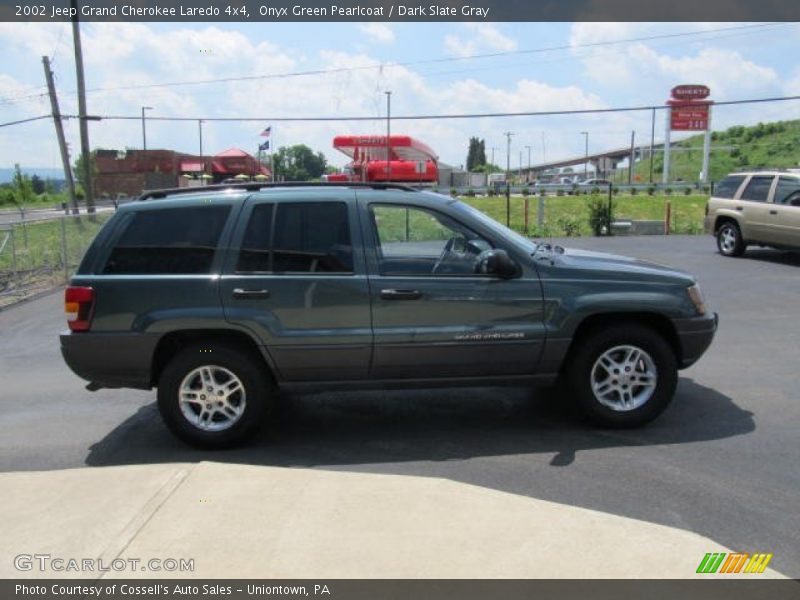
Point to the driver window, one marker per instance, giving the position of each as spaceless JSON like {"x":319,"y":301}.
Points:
{"x":415,"y":241}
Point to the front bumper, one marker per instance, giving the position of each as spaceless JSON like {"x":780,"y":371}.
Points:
{"x":695,"y":336}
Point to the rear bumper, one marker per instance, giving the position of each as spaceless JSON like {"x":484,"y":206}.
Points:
{"x":110,"y":359}
{"x":695,"y":336}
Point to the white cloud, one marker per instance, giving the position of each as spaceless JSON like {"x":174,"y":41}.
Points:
{"x":378,"y":32}
{"x":480,"y":37}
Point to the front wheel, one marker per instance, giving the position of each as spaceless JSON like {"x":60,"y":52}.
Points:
{"x":214,"y":396}
{"x":729,"y":240}
{"x":622,"y":376}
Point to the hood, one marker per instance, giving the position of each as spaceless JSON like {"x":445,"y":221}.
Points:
{"x":614,"y":265}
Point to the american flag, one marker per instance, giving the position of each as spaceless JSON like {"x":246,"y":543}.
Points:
{"x":266,"y":132}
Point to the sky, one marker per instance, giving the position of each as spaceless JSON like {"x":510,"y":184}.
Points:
{"x":430,"y":68}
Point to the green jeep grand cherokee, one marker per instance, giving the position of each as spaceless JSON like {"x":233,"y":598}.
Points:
{"x":220,"y":296}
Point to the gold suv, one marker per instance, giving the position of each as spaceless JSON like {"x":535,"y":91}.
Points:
{"x":756,"y":207}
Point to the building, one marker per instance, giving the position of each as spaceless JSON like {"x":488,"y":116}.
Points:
{"x":129,"y":172}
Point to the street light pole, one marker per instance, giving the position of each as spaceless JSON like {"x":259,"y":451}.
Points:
{"x":529,"y":163}
{"x":200,"y":131}
{"x":388,"y":134}
{"x":144,"y":131}
{"x":586,"y":156}
{"x":493,"y":149}
{"x":508,"y":135}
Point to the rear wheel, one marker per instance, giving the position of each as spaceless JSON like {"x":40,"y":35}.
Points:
{"x":729,"y":240}
{"x":214,"y":396}
{"x":622,"y":376}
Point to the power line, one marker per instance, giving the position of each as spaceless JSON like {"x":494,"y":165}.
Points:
{"x":428,"y":61}
{"x":25,"y":121}
{"x":425,"y":117}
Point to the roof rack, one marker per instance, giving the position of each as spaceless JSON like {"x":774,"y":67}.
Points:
{"x":251,"y":186}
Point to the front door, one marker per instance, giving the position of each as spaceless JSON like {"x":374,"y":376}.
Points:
{"x":432,"y":315}
{"x":297,"y":281}
{"x":785,"y":212}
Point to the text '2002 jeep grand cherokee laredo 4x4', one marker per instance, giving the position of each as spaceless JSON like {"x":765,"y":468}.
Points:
{"x":219,"y":297}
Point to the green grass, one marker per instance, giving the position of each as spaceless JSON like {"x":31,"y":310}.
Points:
{"x":766,"y":145}
{"x":569,"y":215}
{"x":36,"y":249}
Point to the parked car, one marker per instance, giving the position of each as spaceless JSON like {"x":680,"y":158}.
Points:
{"x":755,"y":207}
{"x":599,"y":183}
{"x":223,"y":295}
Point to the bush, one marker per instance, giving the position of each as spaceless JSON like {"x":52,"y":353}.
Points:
{"x":687,"y":191}
{"x":634,"y":191}
{"x":453,"y":192}
{"x":471,"y":193}
{"x":668,"y":191}
{"x":526,"y":191}
{"x":559,"y":192}
{"x":570,"y":226}
{"x":615,"y":190}
{"x":601,"y":215}
{"x":651,"y":190}
{"x":490,"y":193}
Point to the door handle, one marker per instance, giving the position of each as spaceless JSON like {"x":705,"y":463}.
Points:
{"x":773,"y":212}
{"x":401,"y":294}
{"x":739,"y":208}
{"x":243,"y":293}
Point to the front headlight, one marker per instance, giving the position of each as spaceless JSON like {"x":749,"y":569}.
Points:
{"x":696,"y":296}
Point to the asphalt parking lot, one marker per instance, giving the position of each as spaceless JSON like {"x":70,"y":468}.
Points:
{"x":722,"y":461}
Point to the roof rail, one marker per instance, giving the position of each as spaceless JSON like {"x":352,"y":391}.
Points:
{"x":251,"y":186}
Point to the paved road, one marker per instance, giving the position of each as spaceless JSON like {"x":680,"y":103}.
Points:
{"x":723,"y":461}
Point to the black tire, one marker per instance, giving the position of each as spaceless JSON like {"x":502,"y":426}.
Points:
{"x":255,"y":393}
{"x":729,"y":239}
{"x":581,"y":370}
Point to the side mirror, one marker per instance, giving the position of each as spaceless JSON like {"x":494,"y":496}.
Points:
{"x":497,"y":262}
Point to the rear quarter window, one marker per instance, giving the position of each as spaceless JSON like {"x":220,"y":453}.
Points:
{"x":168,"y":241}
{"x":728,"y":186}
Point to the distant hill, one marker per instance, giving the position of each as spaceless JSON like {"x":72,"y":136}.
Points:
{"x":7,"y":175}
{"x":766,"y":145}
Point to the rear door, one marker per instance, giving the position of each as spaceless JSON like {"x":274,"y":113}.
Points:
{"x":752,"y":204}
{"x":785,"y":212}
{"x":296,"y":278}
{"x":433,"y":317}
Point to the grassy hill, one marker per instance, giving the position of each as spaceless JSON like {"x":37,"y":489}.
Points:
{"x":766,"y":145}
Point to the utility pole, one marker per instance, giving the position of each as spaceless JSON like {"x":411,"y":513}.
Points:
{"x":633,"y":158}
{"x":493,"y":149}
{"x":144,"y":132}
{"x":388,"y":133}
{"x":508,"y":135}
{"x":84,"y":125}
{"x":62,"y":143}
{"x":528,"y":177}
{"x":652,"y":143}
{"x":544,"y":150}
{"x":586,"y":156}
{"x":200,"y":131}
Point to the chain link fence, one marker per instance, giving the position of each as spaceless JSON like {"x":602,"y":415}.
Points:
{"x":38,"y":255}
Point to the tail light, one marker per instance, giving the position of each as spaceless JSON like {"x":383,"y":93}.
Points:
{"x":79,"y":306}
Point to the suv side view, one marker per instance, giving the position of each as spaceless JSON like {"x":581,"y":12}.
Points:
{"x":221,"y":296}
{"x":758,"y":207}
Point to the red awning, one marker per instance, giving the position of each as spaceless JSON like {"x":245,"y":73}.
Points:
{"x":191,"y":167}
{"x":373,"y":147}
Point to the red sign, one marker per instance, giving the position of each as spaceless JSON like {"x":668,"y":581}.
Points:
{"x":690,"y":92}
{"x":689,"y":118}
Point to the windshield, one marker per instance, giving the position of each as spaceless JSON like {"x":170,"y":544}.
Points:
{"x":501,"y":230}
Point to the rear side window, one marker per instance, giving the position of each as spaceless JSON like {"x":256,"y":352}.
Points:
{"x":757,"y":189}
{"x":169,"y":241}
{"x":306,"y":237}
{"x":254,"y":257}
{"x":728,"y":186}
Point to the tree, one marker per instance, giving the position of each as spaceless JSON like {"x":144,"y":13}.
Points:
{"x":38,"y":185}
{"x":22,"y":188}
{"x":476,"y":154}
{"x":80,"y":176}
{"x":299,"y":163}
